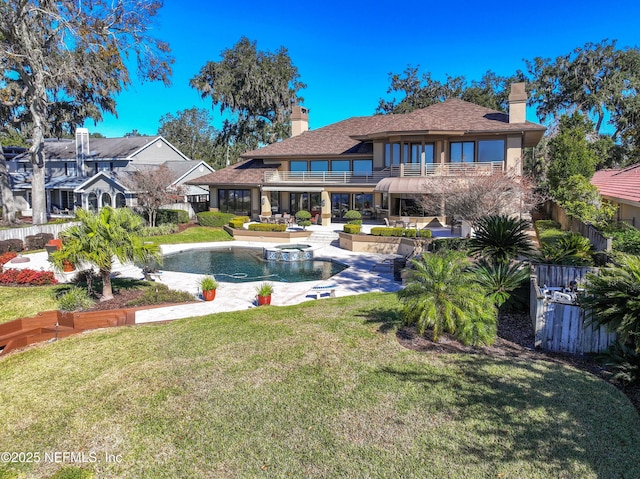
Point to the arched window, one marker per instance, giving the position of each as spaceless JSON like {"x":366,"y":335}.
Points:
{"x":93,"y":202}
{"x":106,"y":199}
{"x":120,"y":200}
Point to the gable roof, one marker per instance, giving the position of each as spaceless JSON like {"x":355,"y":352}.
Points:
{"x":101,"y":148}
{"x":243,"y":173}
{"x":623,"y":184}
{"x":352,"y":136}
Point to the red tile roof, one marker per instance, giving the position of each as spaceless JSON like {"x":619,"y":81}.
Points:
{"x":621,"y":184}
{"x":349,"y":136}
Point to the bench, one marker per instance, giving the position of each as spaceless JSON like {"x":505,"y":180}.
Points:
{"x":320,"y":289}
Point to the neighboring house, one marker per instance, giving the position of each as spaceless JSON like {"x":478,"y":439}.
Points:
{"x":622,"y":188}
{"x":377,"y":164}
{"x":87,"y":173}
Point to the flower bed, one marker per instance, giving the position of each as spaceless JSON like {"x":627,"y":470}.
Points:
{"x":27,"y":277}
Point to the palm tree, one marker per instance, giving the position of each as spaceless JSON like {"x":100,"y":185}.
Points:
{"x":613,"y":298}
{"x":103,"y":236}
{"x":441,"y":294}
{"x":500,"y":279}
{"x":501,"y":238}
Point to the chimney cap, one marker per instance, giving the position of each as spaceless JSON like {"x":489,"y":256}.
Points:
{"x":518,"y":92}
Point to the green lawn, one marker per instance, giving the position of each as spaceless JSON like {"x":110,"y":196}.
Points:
{"x":195,"y":234}
{"x":22,"y":301}
{"x":320,"y":389}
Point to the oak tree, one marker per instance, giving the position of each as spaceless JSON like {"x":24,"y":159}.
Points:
{"x":65,"y":61}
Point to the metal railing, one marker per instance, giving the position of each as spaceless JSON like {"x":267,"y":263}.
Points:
{"x":404,"y":170}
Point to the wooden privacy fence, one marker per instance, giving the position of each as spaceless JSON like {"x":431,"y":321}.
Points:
{"x":560,"y":325}
{"x":599,"y":241}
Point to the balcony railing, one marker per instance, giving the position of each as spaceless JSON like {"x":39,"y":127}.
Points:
{"x":324,"y":177}
{"x":407,"y":170}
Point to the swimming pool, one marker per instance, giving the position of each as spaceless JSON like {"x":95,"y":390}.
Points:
{"x":243,"y":264}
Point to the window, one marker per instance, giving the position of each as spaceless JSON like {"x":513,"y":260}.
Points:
{"x":462,"y":152}
{"x":237,"y":202}
{"x":363,"y":167}
{"x":391,"y":154}
{"x":319,"y":165}
{"x":66,"y":200}
{"x":274,"y":200}
{"x":297,"y":165}
{"x":340,"y":165}
{"x":70,"y":169}
{"x":491,"y":150}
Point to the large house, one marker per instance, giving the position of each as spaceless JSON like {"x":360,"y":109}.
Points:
{"x":90,"y":172}
{"x":376,"y":164}
{"x":622,"y":188}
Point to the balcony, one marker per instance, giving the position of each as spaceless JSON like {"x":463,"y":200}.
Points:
{"x":404,"y":170}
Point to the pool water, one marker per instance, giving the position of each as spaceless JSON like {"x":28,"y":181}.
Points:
{"x":239,"y":265}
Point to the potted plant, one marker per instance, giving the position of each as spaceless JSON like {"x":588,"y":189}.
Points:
{"x":208,"y":285}
{"x":264,"y":293}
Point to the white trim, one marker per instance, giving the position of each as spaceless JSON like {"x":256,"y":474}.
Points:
{"x":294,"y":189}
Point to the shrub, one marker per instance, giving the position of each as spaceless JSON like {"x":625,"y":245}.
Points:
{"x":351,"y":229}
{"x":267,"y":227}
{"x":160,"y":293}
{"x":387,"y":231}
{"x":27,"y":277}
{"x":208,"y":283}
{"x":353,"y":217}
{"x":501,"y":238}
{"x":441,"y":294}
{"x":410,"y":232}
{"x":625,"y":363}
{"x":426,"y":233}
{"x":570,"y":249}
{"x":303,"y":218}
{"x":214,"y":218}
{"x":450,"y":244}
{"x":11,"y":245}
{"x":264,"y":289}
{"x":162,"y":230}
{"x":542,"y":225}
{"x":164,"y":216}
{"x":37,"y":241}
{"x":238,"y":222}
{"x":626,"y":238}
{"x":6,"y":257}
{"x":75,"y":299}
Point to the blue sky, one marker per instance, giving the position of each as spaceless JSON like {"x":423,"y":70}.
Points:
{"x":345,"y":50}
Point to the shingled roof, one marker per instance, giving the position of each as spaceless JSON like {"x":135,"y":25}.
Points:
{"x":100,"y":148}
{"x":244,"y":173}
{"x":623,"y":184}
{"x":353,"y":136}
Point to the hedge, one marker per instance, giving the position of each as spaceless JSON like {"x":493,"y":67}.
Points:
{"x":351,"y":229}
{"x":450,"y":244}
{"x":164,"y":216}
{"x":27,"y":276}
{"x":214,"y":218}
{"x":267,"y":227}
{"x":354,"y":217}
{"x":238,"y":221}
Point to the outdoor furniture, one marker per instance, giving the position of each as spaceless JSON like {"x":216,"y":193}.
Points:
{"x":264,"y":218}
{"x":277,"y":218}
{"x":287,"y":219}
{"x":317,"y":291}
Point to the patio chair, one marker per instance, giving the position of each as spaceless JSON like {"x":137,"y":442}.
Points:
{"x":386,"y":221}
{"x":277,"y":218}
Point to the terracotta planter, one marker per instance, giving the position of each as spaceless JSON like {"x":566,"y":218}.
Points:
{"x":262,"y":300}
{"x":68,"y":267}
{"x":55,"y":242}
{"x":209,"y":295}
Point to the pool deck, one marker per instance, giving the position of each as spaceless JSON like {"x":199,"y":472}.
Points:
{"x":364,"y":274}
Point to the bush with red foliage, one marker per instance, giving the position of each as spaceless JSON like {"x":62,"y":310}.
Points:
{"x":6,"y":257}
{"x":27,"y":277}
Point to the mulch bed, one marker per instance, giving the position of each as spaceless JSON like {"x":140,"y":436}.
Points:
{"x":515,"y":339}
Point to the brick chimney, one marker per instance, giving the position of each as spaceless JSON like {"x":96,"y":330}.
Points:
{"x":517,"y":103}
{"x":299,"y":120}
